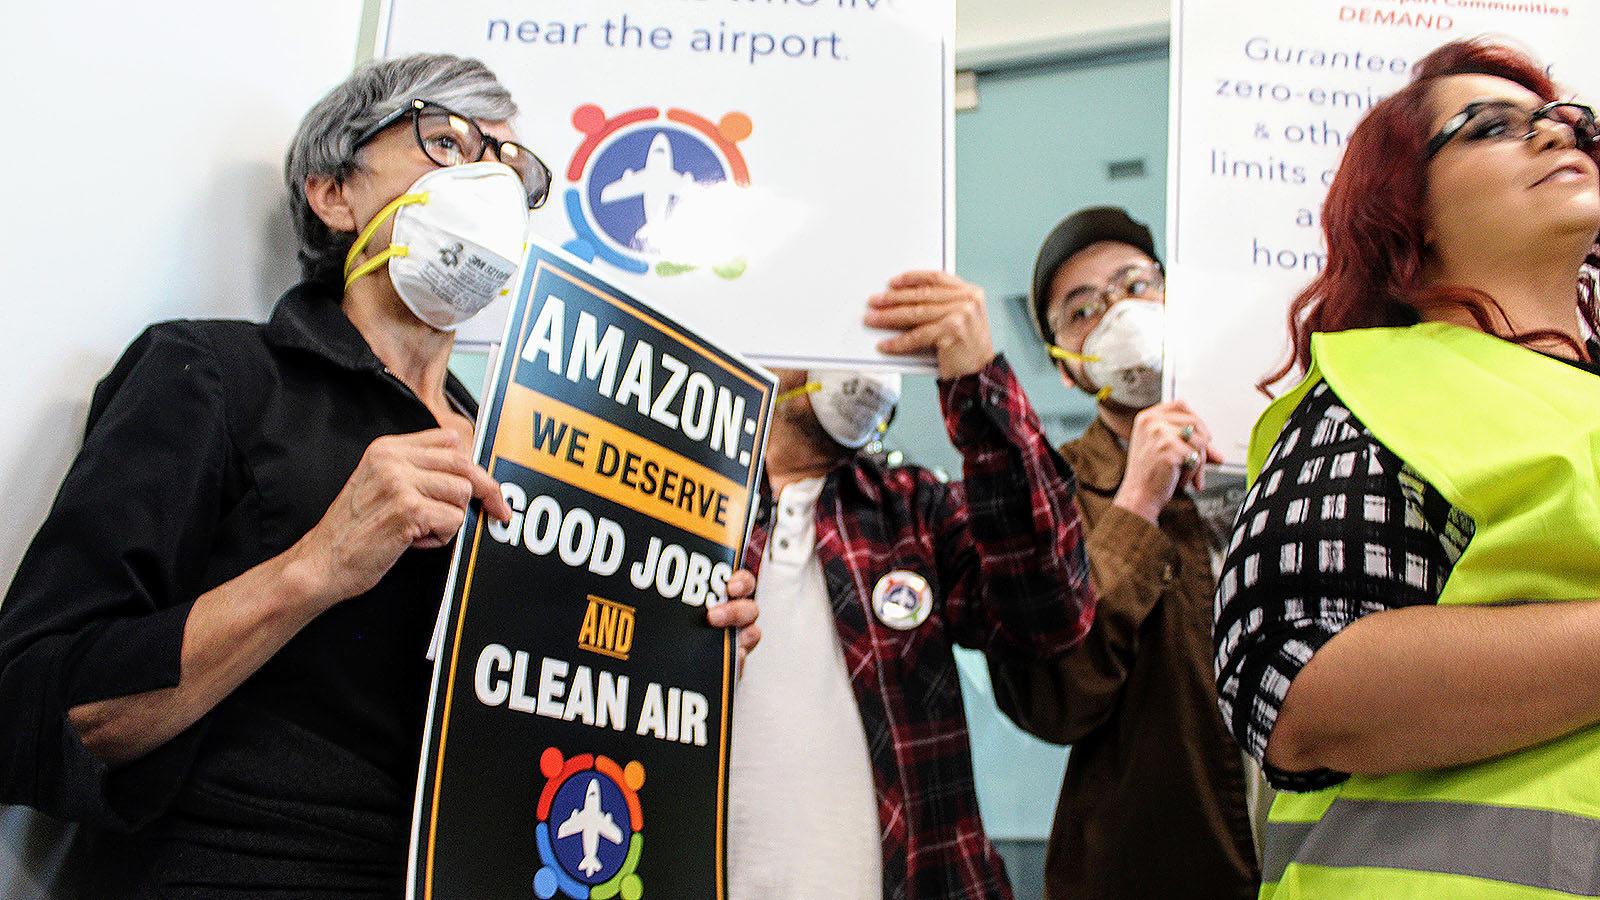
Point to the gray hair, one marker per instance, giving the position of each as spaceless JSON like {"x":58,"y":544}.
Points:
{"x":324,"y":144}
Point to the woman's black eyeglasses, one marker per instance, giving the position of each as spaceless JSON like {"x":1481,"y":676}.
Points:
{"x":451,"y":139}
{"x":1506,"y":121}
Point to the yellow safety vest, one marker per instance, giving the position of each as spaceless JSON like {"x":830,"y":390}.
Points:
{"x":1512,"y":438}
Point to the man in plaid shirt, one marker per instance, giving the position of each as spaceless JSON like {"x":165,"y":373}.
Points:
{"x":868,"y":577}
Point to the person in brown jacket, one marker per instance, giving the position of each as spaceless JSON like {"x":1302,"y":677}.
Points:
{"x":1157,"y":801}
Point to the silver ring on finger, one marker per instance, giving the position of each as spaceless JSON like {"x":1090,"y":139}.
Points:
{"x":1192,"y":460}
{"x":1185,"y":433}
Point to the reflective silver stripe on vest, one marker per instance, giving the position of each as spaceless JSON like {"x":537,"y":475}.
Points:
{"x":1282,"y":842}
{"x":1533,"y":847}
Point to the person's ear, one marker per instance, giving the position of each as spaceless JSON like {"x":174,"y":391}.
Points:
{"x":328,"y":200}
{"x":1066,"y":376}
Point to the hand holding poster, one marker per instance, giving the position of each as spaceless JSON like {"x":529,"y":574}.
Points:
{"x":1264,"y":96}
{"x":579,"y":694}
{"x":755,"y":168}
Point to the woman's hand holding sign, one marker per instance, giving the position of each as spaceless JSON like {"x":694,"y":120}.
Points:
{"x":409,"y":490}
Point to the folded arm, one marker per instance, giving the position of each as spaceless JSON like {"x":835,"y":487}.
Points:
{"x":112,"y":644}
{"x":1431,"y":686}
{"x":1332,"y":654}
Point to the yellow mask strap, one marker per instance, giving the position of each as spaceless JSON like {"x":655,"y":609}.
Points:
{"x":351,"y":270}
{"x":1069,"y":356}
{"x":800,"y":391}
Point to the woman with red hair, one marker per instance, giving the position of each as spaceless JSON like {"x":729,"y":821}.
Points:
{"x":1387,"y":641}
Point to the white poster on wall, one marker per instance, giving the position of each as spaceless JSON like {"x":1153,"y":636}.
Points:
{"x":1263,"y":96}
{"x":754,"y":169}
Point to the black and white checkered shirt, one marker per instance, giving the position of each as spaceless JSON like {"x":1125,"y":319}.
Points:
{"x":1335,"y":528}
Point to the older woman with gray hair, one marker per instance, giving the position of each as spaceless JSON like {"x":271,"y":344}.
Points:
{"x":213,"y":652}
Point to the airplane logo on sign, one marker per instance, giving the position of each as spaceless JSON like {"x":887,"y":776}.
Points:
{"x":590,"y":823}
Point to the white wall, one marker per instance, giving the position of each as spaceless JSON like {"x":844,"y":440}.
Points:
{"x":143,"y":182}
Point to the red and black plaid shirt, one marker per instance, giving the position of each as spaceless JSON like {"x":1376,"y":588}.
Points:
{"x":1003,"y":553}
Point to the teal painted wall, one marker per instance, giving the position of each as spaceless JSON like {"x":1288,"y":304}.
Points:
{"x":1035,"y":150}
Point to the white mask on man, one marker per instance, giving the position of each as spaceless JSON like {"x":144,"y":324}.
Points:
{"x":458,"y":233}
{"x":1122,"y":356}
{"x":852,"y":407}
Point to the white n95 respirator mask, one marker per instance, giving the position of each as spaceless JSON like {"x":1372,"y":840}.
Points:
{"x":1121,"y":357}
{"x":458,"y":233}
{"x":853,"y":407}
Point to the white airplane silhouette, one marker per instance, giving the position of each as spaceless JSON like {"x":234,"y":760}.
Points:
{"x":591,"y":823}
{"x":657,"y":183}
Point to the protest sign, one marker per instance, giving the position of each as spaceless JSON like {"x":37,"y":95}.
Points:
{"x":579,"y":694}
{"x":757,"y":169}
{"x":1264,"y":95}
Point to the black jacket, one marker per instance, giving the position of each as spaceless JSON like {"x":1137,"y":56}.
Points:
{"x":213,"y":446}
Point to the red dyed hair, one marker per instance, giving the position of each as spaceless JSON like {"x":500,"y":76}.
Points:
{"x":1373,"y":215}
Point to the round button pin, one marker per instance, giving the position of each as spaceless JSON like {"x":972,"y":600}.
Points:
{"x":902,"y":600}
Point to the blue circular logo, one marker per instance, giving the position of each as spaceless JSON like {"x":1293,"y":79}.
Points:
{"x":637,"y":179}
{"x":631,"y":171}
{"x":590,"y":825}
